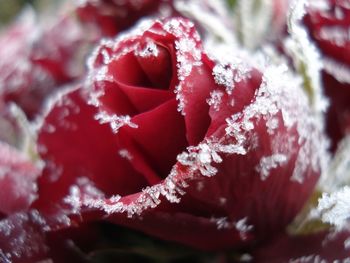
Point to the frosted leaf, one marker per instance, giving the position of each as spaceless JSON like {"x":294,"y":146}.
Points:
{"x":338,"y":170}
{"x":270,"y":162}
{"x":253,"y":21}
{"x":334,"y":208}
{"x":305,"y":55}
{"x":212,"y":16}
{"x":115,"y":121}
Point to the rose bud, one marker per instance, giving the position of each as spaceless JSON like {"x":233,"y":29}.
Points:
{"x":328,"y":23}
{"x":35,"y":59}
{"x":165,"y":140}
{"x":113,"y":16}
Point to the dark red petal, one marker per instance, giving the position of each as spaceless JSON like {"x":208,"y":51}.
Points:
{"x":76,"y":146}
{"x":160,"y":136}
{"x":17,"y":180}
{"x":185,"y":228}
{"x":145,"y":99}
{"x":158,"y":67}
{"x":338,"y":114}
{"x":229,"y":104}
{"x":126,"y":69}
{"x":321,"y":247}
{"x":195,"y":91}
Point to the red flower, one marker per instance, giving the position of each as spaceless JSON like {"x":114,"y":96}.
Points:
{"x":165,"y":140}
{"x":328,"y":24}
{"x":36,"y":59}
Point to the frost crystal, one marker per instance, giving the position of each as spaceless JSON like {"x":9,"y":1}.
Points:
{"x":229,"y":74}
{"x":223,"y":75}
{"x":241,"y":225}
{"x":334,"y":208}
{"x":215,"y":99}
{"x":200,"y":158}
{"x":124,"y":153}
{"x":150,"y":197}
{"x":270,"y":162}
{"x":115,"y":121}
{"x":305,"y":55}
{"x":149,"y":50}
{"x":280,"y":93}
{"x":22,"y":229}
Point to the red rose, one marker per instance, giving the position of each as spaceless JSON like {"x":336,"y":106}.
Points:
{"x":35,"y":59}
{"x":328,"y":24}
{"x":165,"y":140}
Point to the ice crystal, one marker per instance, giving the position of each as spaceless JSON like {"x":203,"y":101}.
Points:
{"x":150,"y":197}
{"x":124,"y":153}
{"x":230,"y":74}
{"x":283,"y":95}
{"x":82,"y":189}
{"x":243,"y":228}
{"x":215,"y":99}
{"x":241,"y":225}
{"x":115,"y":121}
{"x":200,"y":158}
{"x":18,"y":229}
{"x":223,"y":75}
{"x":148,"y":50}
{"x":270,"y":162}
{"x":334,"y":208}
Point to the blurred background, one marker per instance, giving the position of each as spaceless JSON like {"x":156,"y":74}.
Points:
{"x":10,"y":8}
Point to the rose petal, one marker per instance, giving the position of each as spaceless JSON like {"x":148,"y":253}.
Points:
{"x":76,"y":143}
{"x":327,"y":247}
{"x":195,"y":91}
{"x":160,"y":136}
